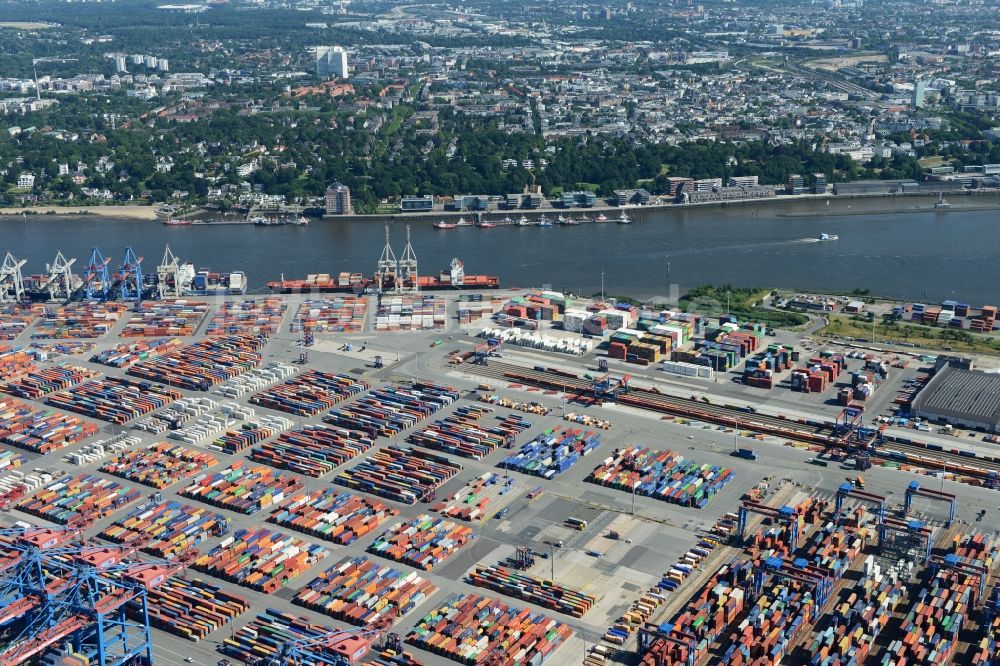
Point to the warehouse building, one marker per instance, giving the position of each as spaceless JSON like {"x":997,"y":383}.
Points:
{"x":961,"y":396}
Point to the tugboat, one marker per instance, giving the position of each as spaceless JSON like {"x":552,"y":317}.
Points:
{"x":462,"y":222}
{"x":601,"y":217}
{"x":941,"y":203}
{"x":486,"y":224}
{"x":828,"y":237}
{"x":444,"y":226}
{"x":544,"y":221}
{"x":523,"y":221}
{"x":623,"y":218}
{"x":507,"y":220}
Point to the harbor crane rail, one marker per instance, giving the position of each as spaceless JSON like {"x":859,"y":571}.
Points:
{"x":848,"y":491}
{"x":913,"y":528}
{"x":915,"y":490}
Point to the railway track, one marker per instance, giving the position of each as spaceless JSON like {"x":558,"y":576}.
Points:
{"x":813,"y":431}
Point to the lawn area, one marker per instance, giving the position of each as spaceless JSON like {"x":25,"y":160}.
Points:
{"x":26,"y":25}
{"x":741,"y":303}
{"x":928,"y":337}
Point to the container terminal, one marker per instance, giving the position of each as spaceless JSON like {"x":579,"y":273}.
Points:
{"x":466,"y":477}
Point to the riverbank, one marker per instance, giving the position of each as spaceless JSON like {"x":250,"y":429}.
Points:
{"x":135,"y":213}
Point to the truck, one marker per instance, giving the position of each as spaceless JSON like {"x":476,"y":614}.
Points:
{"x":859,"y":481}
{"x":746,"y":454}
{"x":819,"y":461}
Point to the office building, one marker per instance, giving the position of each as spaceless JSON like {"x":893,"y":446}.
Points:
{"x":417,"y":204}
{"x":795,"y":184}
{"x":338,"y":199}
{"x":919,"y":93}
{"x":331,"y":61}
{"x":743,"y":181}
{"x":582,"y":199}
{"x":819,"y":187}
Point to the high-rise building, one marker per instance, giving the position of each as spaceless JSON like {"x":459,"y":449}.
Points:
{"x":919,"y":92}
{"x":120,"y":64}
{"x":331,"y":61}
{"x":820,"y":186}
{"x":163,"y":64}
{"x":794,"y":185}
{"x":338,"y":199}
{"x":150,"y":61}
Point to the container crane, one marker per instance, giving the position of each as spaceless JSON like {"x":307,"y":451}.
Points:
{"x":798,"y":570}
{"x":914,"y":528}
{"x":785,"y":514}
{"x":129,"y":278}
{"x":60,"y":282}
{"x":58,"y":594}
{"x":406,"y":280}
{"x":96,"y":278}
{"x":915,"y":490}
{"x":482,"y":352}
{"x":848,"y":491}
{"x":387,"y":268}
{"x":605,"y":387}
{"x":650,"y":633}
{"x":955,"y":563}
{"x":11,"y":280}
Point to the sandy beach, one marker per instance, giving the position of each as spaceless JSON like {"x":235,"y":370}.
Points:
{"x":118,"y":212}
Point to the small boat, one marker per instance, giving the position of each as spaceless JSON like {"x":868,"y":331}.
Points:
{"x":175,"y":222}
{"x":507,"y":220}
{"x":569,"y":221}
{"x":544,"y":221}
{"x":441,"y":224}
{"x":462,"y":222}
{"x":523,"y":221}
{"x":941,"y":203}
{"x":623,"y":218}
{"x":601,"y":217}
{"x":828,"y":237}
{"x":486,"y":224}
{"x":300,"y":221}
{"x":561,"y":219}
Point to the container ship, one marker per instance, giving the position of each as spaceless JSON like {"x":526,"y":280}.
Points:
{"x":454,"y":278}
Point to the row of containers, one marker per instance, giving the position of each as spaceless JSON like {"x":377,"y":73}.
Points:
{"x":15,"y":361}
{"x":463,"y":433}
{"x":267,"y":634}
{"x":126,"y":353}
{"x":423,"y":542}
{"x":723,"y":621}
{"x":553,"y":452}
{"x":166,"y":529}
{"x":472,"y":629}
{"x":760,"y":370}
{"x":310,"y":393}
{"x":335,"y":314}
{"x":79,"y":500}
{"x":400,"y":474}
{"x":204,"y":364}
{"x":88,"y":320}
{"x":260,"y":558}
{"x":388,"y":411}
{"x":160,"y":465}
{"x":117,"y":400}
{"x":548,"y":594}
{"x":247,"y":435}
{"x":40,"y":431}
{"x":314,"y":450}
{"x":37,"y":383}
{"x":250,"y":317}
{"x":663,"y":475}
{"x":819,"y":374}
{"x":171,"y":317}
{"x":331,"y":515}
{"x":49,"y":349}
{"x":362,"y":592}
{"x":480,"y":498}
{"x":243,"y":488}
{"x":15,"y":318}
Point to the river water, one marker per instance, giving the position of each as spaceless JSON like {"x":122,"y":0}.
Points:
{"x":912,"y":253}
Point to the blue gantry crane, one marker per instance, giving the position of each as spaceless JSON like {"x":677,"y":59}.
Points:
{"x":855,"y":438}
{"x":606,"y":387}
{"x":848,"y":491}
{"x":54,"y":592}
{"x":913,"y":528}
{"x":129,"y":278}
{"x":785,"y":514}
{"x":991,"y":608}
{"x":955,"y":563}
{"x":96,"y":277}
{"x":482,"y":352}
{"x":915,"y":490}
{"x":650,"y":633}
{"x":798,"y":570}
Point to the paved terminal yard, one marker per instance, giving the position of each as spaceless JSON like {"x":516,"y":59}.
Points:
{"x":651,"y":533}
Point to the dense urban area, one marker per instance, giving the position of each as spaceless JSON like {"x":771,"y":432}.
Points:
{"x":261,"y":103}
{"x":326,"y":452}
